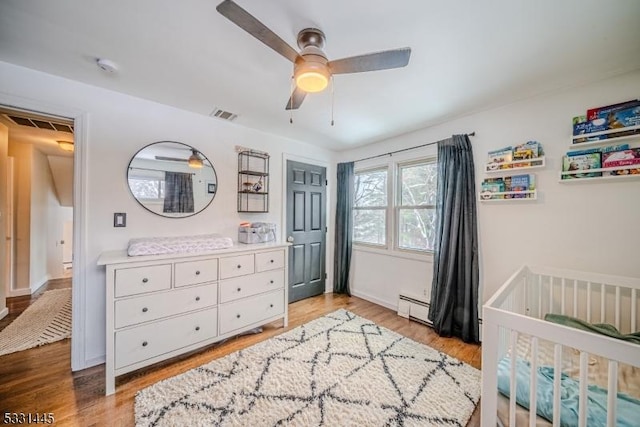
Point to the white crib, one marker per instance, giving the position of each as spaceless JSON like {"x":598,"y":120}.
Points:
{"x":516,"y":313}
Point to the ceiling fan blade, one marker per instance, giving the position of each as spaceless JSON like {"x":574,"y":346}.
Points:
{"x":257,"y":29}
{"x":384,"y":60}
{"x":296,"y":99}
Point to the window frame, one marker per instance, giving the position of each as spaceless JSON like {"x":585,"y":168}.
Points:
{"x":161,"y":188}
{"x":392,"y":166}
{"x":385,"y":208}
{"x":398,"y":206}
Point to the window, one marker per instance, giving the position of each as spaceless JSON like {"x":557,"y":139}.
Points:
{"x":407,"y":224}
{"x":370,"y":207}
{"x":416,"y":206}
{"x":147,"y":188}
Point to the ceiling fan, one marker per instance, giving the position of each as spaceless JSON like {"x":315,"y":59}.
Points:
{"x":311,"y":68}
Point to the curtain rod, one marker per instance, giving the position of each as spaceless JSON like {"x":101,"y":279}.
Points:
{"x":157,"y":170}
{"x":404,"y":149}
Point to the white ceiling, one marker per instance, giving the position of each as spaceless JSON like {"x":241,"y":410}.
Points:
{"x":467,"y":55}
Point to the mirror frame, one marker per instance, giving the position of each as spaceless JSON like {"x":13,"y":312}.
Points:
{"x":186,"y":215}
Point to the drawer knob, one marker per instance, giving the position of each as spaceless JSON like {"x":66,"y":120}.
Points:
{"x":237,"y":316}
{"x":239,"y":266}
{"x":144,"y":343}
{"x":271,"y":261}
{"x":197,"y":328}
{"x":197,"y":272}
{"x":145,"y":309}
{"x":197,"y":298}
{"x":271,"y":281}
{"x":239,"y":289}
{"x":145,"y":280}
{"x":271,"y":305}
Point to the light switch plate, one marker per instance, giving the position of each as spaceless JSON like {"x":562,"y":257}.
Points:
{"x":119,"y":219}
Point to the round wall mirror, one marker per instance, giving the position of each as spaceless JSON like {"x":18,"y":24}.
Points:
{"x":172,"y":179}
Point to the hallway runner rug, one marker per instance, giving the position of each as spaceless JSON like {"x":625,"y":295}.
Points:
{"x":45,"y":321}
{"x":337,"y":370}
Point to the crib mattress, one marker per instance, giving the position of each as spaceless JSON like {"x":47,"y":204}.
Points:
{"x":177,"y":245}
{"x":628,"y":376}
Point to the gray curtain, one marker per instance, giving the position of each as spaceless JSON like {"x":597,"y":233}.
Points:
{"x":344,"y":229}
{"x":178,"y":192}
{"x":454,"y":290}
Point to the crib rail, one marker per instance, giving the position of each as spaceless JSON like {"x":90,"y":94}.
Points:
{"x":518,"y":309}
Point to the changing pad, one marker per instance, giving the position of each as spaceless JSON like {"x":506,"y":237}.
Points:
{"x":177,"y":245}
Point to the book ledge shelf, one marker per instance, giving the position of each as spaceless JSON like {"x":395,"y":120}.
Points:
{"x":619,"y":172}
{"x":514,"y":166}
{"x":508,"y":196}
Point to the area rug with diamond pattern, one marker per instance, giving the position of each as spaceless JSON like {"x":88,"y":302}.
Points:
{"x":337,"y":370}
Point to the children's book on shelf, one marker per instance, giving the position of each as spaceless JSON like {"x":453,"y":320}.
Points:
{"x":528,"y":150}
{"x":498,"y":158}
{"x":491,"y":186}
{"x":520,"y":183}
{"x":594,"y":113}
{"x":580,"y":165}
{"x":608,"y":118}
{"x":621,"y":158}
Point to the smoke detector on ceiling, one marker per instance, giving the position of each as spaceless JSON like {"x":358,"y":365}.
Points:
{"x":107,"y":65}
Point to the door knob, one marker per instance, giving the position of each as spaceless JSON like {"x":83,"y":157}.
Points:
{"x":290,"y":239}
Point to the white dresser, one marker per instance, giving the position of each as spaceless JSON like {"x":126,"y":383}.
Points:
{"x":164,"y":305}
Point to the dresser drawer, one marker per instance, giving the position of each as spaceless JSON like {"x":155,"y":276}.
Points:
{"x":236,"y":266}
{"x":138,"y":280}
{"x":269,"y":260}
{"x":245,"y":286}
{"x":145,"y":308}
{"x":250,"y":310}
{"x":153,"y":339}
{"x":192,"y":272}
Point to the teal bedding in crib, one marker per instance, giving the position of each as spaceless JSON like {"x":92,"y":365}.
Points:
{"x":598,"y":328}
{"x":628,"y":411}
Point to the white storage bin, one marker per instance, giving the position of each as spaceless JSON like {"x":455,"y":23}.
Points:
{"x":257,"y":233}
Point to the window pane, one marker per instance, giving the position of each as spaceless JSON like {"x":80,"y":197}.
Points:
{"x":416,"y":228}
{"x":371,"y":188}
{"x":369,"y":226}
{"x":145,"y":188}
{"x":419,"y":184}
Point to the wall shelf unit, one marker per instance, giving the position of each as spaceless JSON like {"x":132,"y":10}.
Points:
{"x":253,"y":181}
{"x":628,"y":135}
{"x":509,"y":180}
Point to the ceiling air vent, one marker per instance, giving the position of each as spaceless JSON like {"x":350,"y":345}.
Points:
{"x":39,"y":123}
{"x":224,"y":115}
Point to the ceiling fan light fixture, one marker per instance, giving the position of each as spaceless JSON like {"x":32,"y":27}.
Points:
{"x":312,"y":76}
{"x":66,"y":145}
{"x":195,"y":161}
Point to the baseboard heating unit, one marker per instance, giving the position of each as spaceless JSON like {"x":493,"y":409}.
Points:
{"x":414,"y":308}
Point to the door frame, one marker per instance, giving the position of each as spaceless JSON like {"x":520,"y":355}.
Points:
{"x":328,"y":285}
{"x":80,"y":137}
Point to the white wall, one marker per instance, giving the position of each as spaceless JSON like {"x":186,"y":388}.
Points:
{"x":45,"y":261}
{"x":592,"y":227}
{"x":118,"y":126}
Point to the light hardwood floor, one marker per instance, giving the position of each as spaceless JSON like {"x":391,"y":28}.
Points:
{"x":40,"y":380}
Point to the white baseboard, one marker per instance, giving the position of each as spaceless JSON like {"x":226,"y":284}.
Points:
{"x":4,"y":312}
{"x":393,"y":306}
{"x":18,"y":292}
